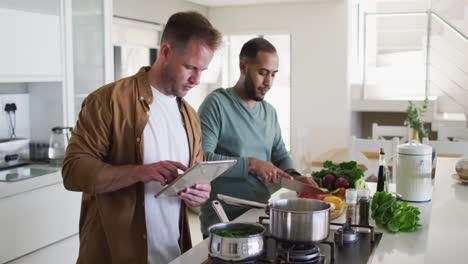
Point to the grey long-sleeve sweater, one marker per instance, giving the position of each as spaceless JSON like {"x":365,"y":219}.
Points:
{"x":234,"y":130}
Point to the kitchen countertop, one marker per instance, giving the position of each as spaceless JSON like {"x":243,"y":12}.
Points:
{"x":442,"y":239}
{"x":8,"y":189}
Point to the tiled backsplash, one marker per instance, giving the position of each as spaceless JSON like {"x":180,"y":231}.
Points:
{"x":22,"y":115}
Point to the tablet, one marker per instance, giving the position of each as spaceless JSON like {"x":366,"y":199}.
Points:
{"x":202,"y":172}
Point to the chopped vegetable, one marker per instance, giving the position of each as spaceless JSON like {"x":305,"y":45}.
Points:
{"x":395,"y":216}
{"x":313,"y":196}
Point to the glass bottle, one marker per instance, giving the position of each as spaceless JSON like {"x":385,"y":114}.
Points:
{"x":351,"y":200}
{"x":434,"y":163}
{"x":382,"y":184}
{"x":363,"y":206}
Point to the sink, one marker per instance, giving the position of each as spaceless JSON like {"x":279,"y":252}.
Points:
{"x":23,"y":173}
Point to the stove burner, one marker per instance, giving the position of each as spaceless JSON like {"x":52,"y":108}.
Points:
{"x":358,"y":252}
{"x":347,"y":235}
{"x":298,"y":253}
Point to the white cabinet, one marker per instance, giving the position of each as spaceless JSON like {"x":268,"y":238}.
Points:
{"x":60,"y":51}
{"x":37,"y":218}
{"x":92,"y":50}
{"x":31,"y":46}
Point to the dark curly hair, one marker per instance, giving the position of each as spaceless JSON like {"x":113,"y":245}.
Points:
{"x":251,"y":48}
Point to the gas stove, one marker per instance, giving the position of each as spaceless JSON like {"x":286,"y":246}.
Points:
{"x":351,"y":244}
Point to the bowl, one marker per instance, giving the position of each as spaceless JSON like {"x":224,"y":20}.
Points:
{"x":462,"y":168}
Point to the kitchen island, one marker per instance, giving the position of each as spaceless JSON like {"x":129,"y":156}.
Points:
{"x":442,"y":239}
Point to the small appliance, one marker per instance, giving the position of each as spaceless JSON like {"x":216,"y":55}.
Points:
{"x":58,"y":143}
{"x":14,"y":152}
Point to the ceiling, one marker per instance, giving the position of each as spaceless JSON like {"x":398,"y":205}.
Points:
{"x":213,"y":3}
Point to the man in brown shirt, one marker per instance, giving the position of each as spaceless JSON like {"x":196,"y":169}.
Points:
{"x":110,"y":161}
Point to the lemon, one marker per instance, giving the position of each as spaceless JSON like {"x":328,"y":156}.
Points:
{"x":338,"y":202}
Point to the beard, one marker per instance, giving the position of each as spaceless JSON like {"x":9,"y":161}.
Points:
{"x":169,"y":79}
{"x":250,"y":89}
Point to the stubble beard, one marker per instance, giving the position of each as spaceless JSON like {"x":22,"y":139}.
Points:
{"x":169,"y":79}
{"x":250,"y":88}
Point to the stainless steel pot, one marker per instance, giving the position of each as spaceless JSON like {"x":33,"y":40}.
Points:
{"x":295,"y":220}
{"x":300,"y":220}
{"x":234,"y":248}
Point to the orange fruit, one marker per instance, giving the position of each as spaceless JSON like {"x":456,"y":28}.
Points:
{"x":338,"y":202}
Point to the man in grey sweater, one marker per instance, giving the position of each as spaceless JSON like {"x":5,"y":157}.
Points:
{"x":238,"y":124}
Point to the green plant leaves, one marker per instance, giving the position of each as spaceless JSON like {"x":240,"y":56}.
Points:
{"x":395,"y":216}
{"x":414,"y":116}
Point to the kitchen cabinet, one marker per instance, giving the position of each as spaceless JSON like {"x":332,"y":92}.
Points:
{"x":66,"y":63}
{"x":37,"y":218}
{"x":58,"y":51}
{"x":92,"y":55}
{"x":30,"y":46}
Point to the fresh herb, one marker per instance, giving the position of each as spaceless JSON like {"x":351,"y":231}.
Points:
{"x":414,"y":117}
{"x":348,"y":170}
{"x":395,"y":216}
{"x":238,"y":231}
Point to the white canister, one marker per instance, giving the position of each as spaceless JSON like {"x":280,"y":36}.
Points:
{"x":414,"y":172}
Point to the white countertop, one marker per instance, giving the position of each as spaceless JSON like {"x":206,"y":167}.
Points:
{"x":442,"y":239}
{"x":8,"y":189}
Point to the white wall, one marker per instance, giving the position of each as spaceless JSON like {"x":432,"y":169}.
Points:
{"x":154,"y":10}
{"x":320,"y":108}
{"x":46,"y":109}
{"x":20,"y":119}
{"x":51,"y":7}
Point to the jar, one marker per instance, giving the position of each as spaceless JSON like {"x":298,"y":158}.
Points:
{"x":414,"y":172}
{"x":462,"y":168}
{"x":364,"y":206}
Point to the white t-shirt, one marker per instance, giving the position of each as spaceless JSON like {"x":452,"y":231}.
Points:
{"x":165,"y":138}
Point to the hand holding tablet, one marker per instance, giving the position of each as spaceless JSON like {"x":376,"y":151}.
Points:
{"x":202,"y":172}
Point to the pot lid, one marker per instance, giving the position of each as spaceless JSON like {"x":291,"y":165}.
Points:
{"x":414,"y":148}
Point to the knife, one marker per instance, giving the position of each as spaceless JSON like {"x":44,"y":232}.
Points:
{"x":299,"y":186}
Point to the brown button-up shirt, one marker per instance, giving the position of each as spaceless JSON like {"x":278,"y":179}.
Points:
{"x":110,"y":130}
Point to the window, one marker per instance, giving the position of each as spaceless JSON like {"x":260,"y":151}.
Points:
{"x":136,"y":45}
{"x":395,"y":55}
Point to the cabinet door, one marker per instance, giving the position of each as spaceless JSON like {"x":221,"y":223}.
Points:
{"x":92,"y":48}
{"x":30,"y":49}
{"x":37,"y":218}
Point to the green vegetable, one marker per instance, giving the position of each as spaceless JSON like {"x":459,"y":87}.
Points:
{"x":395,"y":216}
{"x":348,"y":170}
{"x":238,"y":231}
{"x":360,"y":184}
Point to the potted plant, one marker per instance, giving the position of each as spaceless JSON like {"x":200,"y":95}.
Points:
{"x":414,"y":119}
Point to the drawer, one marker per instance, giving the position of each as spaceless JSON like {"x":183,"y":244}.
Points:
{"x":35,"y":219}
